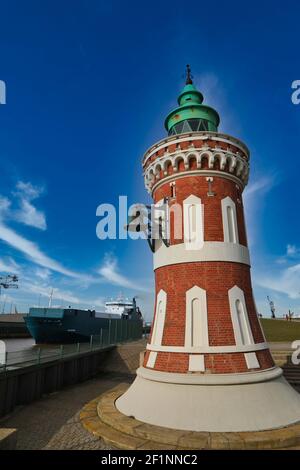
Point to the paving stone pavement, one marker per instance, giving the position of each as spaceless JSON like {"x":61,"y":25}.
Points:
{"x":53,"y":422}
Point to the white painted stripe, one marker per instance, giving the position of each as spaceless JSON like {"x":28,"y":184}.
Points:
{"x":251,"y":361}
{"x":196,"y":363}
{"x":151,"y":359}
{"x":209,"y":349}
{"x":211,"y":251}
{"x":210,"y":379}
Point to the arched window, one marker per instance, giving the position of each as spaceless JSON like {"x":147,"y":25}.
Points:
{"x":193,"y":223}
{"x":159,"y":321}
{"x":242,"y":322}
{"x":239,"y":316}
{"x":230,"y":228}
{"x":196,"y":328}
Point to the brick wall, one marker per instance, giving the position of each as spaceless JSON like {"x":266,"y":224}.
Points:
{"x":198,"y":186}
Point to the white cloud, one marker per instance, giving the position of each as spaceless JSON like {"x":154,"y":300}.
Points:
{"x":28,"y":190}
{"x":215,"y":96}
{"x":291,"y":250}
{"x":59,"y":295}
{"x":31,"y":250}
{"x":27,"y":213}
{"x":292,"y":253}
{"x":253,"y":197}
{"x":42,"y":273}
{"x":4,"y":205}
{"x":261,"y":185}
{"x":109,"y":271}
{"x":287,"y":281}
{"x":21,"y":208}
{"x":9,"y":266}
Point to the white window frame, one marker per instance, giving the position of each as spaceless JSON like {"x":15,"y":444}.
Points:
{"x":194,"y":240}
{"x":226,"y":203}
{"x":160,"y":316}
{"x":236,"y":294}
{"x":199,"y":294}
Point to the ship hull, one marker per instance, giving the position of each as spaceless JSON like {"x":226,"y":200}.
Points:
{"x":67,"y":328}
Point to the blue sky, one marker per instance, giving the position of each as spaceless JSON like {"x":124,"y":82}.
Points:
{"x":88,"y":87}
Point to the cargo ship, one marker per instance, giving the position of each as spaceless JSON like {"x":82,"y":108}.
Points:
{"x":69,"y":325}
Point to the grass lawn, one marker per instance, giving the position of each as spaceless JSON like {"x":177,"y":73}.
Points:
{"x":280,"y":330}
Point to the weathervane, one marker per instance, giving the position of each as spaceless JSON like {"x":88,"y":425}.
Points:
{"x":189,"y":76}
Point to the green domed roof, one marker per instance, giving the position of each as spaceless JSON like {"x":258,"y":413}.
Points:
{"x":191,"y":115}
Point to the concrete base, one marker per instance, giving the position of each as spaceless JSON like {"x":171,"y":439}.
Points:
{"x":101,"y":418}
{"x":253,"y":401}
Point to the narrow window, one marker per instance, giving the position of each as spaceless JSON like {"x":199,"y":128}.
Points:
{"x":196,"y":327}
{"x":159,"y":322}
{"x":231,"y":228}
{"x":193,"y":223}
{"x":156,"y":323}
{"x":242,"y":322}
{"x":239,"y":316}
{"x":196,"y":323}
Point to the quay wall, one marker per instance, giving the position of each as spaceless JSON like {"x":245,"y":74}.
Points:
{"x":23,"y":385}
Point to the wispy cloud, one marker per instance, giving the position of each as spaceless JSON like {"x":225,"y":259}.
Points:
{"x":4,"y":205}
{"x":58,"y":294}
{"x":253,"y":202}
{"x":19,"y":206}
{"x":286,"y":281}
{"x":292,"y":250}
{"x":32,"y":251}
{"x":215,"y":96}
{"x":109,"y":271}
{"x":285,"y":277}
{"x":42,"y":273}
{"x":60,"y":297}
{"x":27,"y":213}
{"x":9,"y":266}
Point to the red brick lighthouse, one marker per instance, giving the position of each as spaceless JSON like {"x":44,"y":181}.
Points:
{"x":207,"y":365}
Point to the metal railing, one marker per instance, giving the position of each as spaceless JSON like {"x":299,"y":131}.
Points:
{"x":118,"y":331}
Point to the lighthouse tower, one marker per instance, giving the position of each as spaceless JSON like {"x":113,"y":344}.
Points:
{"x":207,"y":365}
